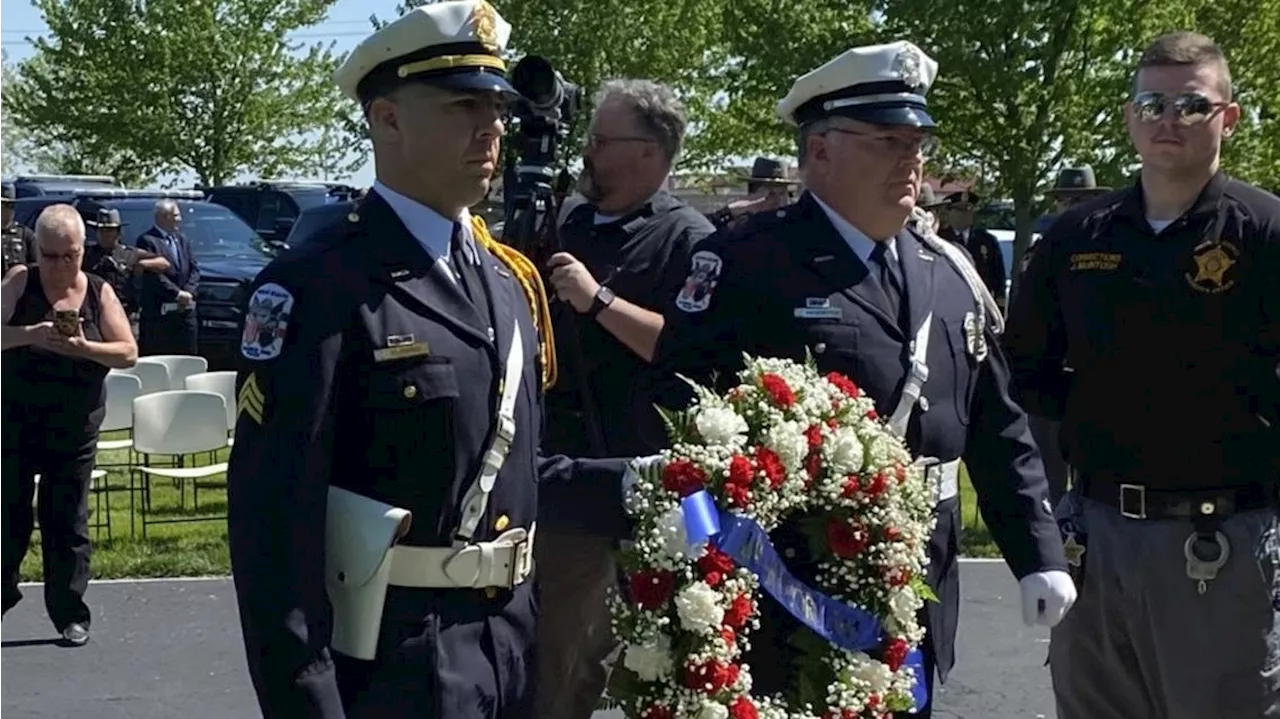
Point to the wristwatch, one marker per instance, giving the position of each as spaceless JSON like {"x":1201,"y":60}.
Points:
{"x":604,"y":298}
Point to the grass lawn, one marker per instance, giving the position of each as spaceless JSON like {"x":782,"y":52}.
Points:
{"x":200,"y":548}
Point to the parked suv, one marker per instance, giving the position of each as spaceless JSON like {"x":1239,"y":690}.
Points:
{"x":271,"y":207}
{"x":229,"y":252}
{"x":57,"y":185}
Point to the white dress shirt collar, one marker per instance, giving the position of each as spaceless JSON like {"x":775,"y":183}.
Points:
{"x":431,"y":229}
{"x":857,"y":240}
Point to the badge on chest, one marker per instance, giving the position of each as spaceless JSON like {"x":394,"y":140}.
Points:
{"x":817,"y":308}
{"x":400,"y":347}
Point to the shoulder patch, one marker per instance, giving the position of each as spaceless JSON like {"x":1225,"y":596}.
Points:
{"x":266,"y":322}
{"x":704,"y":275}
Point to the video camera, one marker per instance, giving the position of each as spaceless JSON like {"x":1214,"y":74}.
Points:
{"x":544,"y":115}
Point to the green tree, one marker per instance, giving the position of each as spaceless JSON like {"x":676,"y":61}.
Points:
{"x":211,"y":86}
{"x":15,"y":143}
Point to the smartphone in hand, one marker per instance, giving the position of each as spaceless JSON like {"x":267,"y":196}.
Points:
{"x":67,"y":322}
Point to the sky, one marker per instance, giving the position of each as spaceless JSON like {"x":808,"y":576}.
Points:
{"x":346,"y":24}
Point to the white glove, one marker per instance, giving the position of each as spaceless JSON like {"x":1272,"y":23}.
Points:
{"x":1046,"y":597}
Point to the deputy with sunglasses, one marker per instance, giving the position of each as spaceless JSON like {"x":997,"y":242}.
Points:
{"x":19,"y":243}
{"x":843,"y":274}
{"x":1164,"y":301}
{"x":116,"y":262}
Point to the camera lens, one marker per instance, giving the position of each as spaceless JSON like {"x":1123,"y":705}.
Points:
{"x":535,"y":79}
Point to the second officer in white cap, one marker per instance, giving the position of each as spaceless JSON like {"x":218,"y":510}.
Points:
{"x":384,"y":488}
{"x":843,"y":275}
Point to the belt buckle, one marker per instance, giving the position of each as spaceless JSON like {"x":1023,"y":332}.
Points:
{"x":1129,"y":490}
{"x":521,"y":559}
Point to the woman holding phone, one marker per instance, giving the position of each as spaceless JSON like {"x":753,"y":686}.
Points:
{"x":63,"y":330}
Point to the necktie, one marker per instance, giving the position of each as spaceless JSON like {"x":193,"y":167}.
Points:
{"x":173,"y":247}
{"x":890,"y":280}
{"x":465,"y":270}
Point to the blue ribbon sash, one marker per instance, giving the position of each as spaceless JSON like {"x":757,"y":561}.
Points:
{"x":844,"y":625}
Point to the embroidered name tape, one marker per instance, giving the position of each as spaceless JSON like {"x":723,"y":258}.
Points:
{"x":1083,"y":261}
{"x":415,"y":349}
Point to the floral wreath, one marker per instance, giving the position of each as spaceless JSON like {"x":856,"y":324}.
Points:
{"x":786,"y":441}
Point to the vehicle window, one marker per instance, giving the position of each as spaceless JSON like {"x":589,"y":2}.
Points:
{"x":274,"y":205}
{"x":214,"y":231}
{"x":1006,"y":254}
{"x":243,"y":203}
{"x":312,"y":221}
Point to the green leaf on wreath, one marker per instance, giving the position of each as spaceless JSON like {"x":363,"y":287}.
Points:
{"x":923,"y":590}
{"x":899,"y":703}
{"x":676,"y":423}
{"x":811,"y":676}
{"x":623,"y":684}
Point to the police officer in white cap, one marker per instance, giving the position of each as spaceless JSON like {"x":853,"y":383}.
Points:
{"x":384,"y":489}
{"x":845,"y":275}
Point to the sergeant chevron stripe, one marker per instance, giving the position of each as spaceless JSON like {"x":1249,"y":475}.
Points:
{"x":251,"y":400}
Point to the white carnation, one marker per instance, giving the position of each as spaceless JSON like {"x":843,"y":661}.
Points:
{"x":871,"y":673}
{"x":845,"y":453}
{"x":650,"y":661}
{"x":904,"y":604}
{"x":787,"y":440}
{"x":719,"y":425}
{"x":713,"y":710}
{"x":675,"y":535}
{"x":699,"y":609}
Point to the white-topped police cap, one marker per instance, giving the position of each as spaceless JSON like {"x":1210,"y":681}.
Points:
{"x":879,"y":84}
{"x":458,"y":45}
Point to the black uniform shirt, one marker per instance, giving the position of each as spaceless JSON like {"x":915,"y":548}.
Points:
{"x":1171,"y":339}
{"x":19,"y":246}
{"x":643,"y":257}
{"x":117,"y":266}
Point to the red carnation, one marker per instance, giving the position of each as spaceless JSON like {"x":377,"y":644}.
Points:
{"x":871,"y":415}
{"x":892,"y":534}
{"x":769,"y":463}
{"x":743,"y":708}
{"x":878,"y":484}
{"x":740,"y":471}
{"x":814,"y":435}
{"x":895,"y":653}
{"x":739,"y":611}
{"x":738,"y":495}
{"x":651,"y":588}
{"x":715,"y":561}
{"x":873,"y":701}
{"x":709,"y":677}
{"x":729,"y":636}
{"x":813,"y":465}
{"x":851,"y":486}
{"x":778,"y":390}
{"x":683,"y":477}
{"x":657,"y":711}
{"x":898,"y":577}
{"x":900,"y":472}
{"x":844,"y":384}
{"x":845,"y":539}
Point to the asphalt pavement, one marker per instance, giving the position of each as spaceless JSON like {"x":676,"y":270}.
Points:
{"x":171,"y":649}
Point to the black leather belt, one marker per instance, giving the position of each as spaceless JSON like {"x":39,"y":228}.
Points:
{"x":1137,"y":501}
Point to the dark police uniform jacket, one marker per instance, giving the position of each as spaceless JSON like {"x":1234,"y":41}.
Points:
{"x":19,"y":246}
{"x":1172,"y":339}
{"x":118,"y":266}
{"x":407,"y":431}
{"x":984,"y":248}
{"x":751,"y":282}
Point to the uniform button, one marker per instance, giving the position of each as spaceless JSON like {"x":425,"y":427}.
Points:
{"x":1207,"y":507}
{"x":502,"y":523}
{"x":410,"y":391}
{"x":353,"y":217}
{"x":924,"y":404}
{"x":492,"y":334}
{"x":820,"y":348}
{"x":491,"y":592}
{"x":789,"y":553}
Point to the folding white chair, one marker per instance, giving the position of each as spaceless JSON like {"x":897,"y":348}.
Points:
{"x":222,"y":383}
{"x":153,"y":375}
{"x":180,"y":367}
{"x":178,"y":423}
{"x":121,"y":389}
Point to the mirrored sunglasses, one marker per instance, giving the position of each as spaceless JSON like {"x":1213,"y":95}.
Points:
{"x":1189,"y":108}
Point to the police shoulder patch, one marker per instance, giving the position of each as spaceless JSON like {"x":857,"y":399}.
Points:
{"x":266,"y":322}
{"x":704,"y":275}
